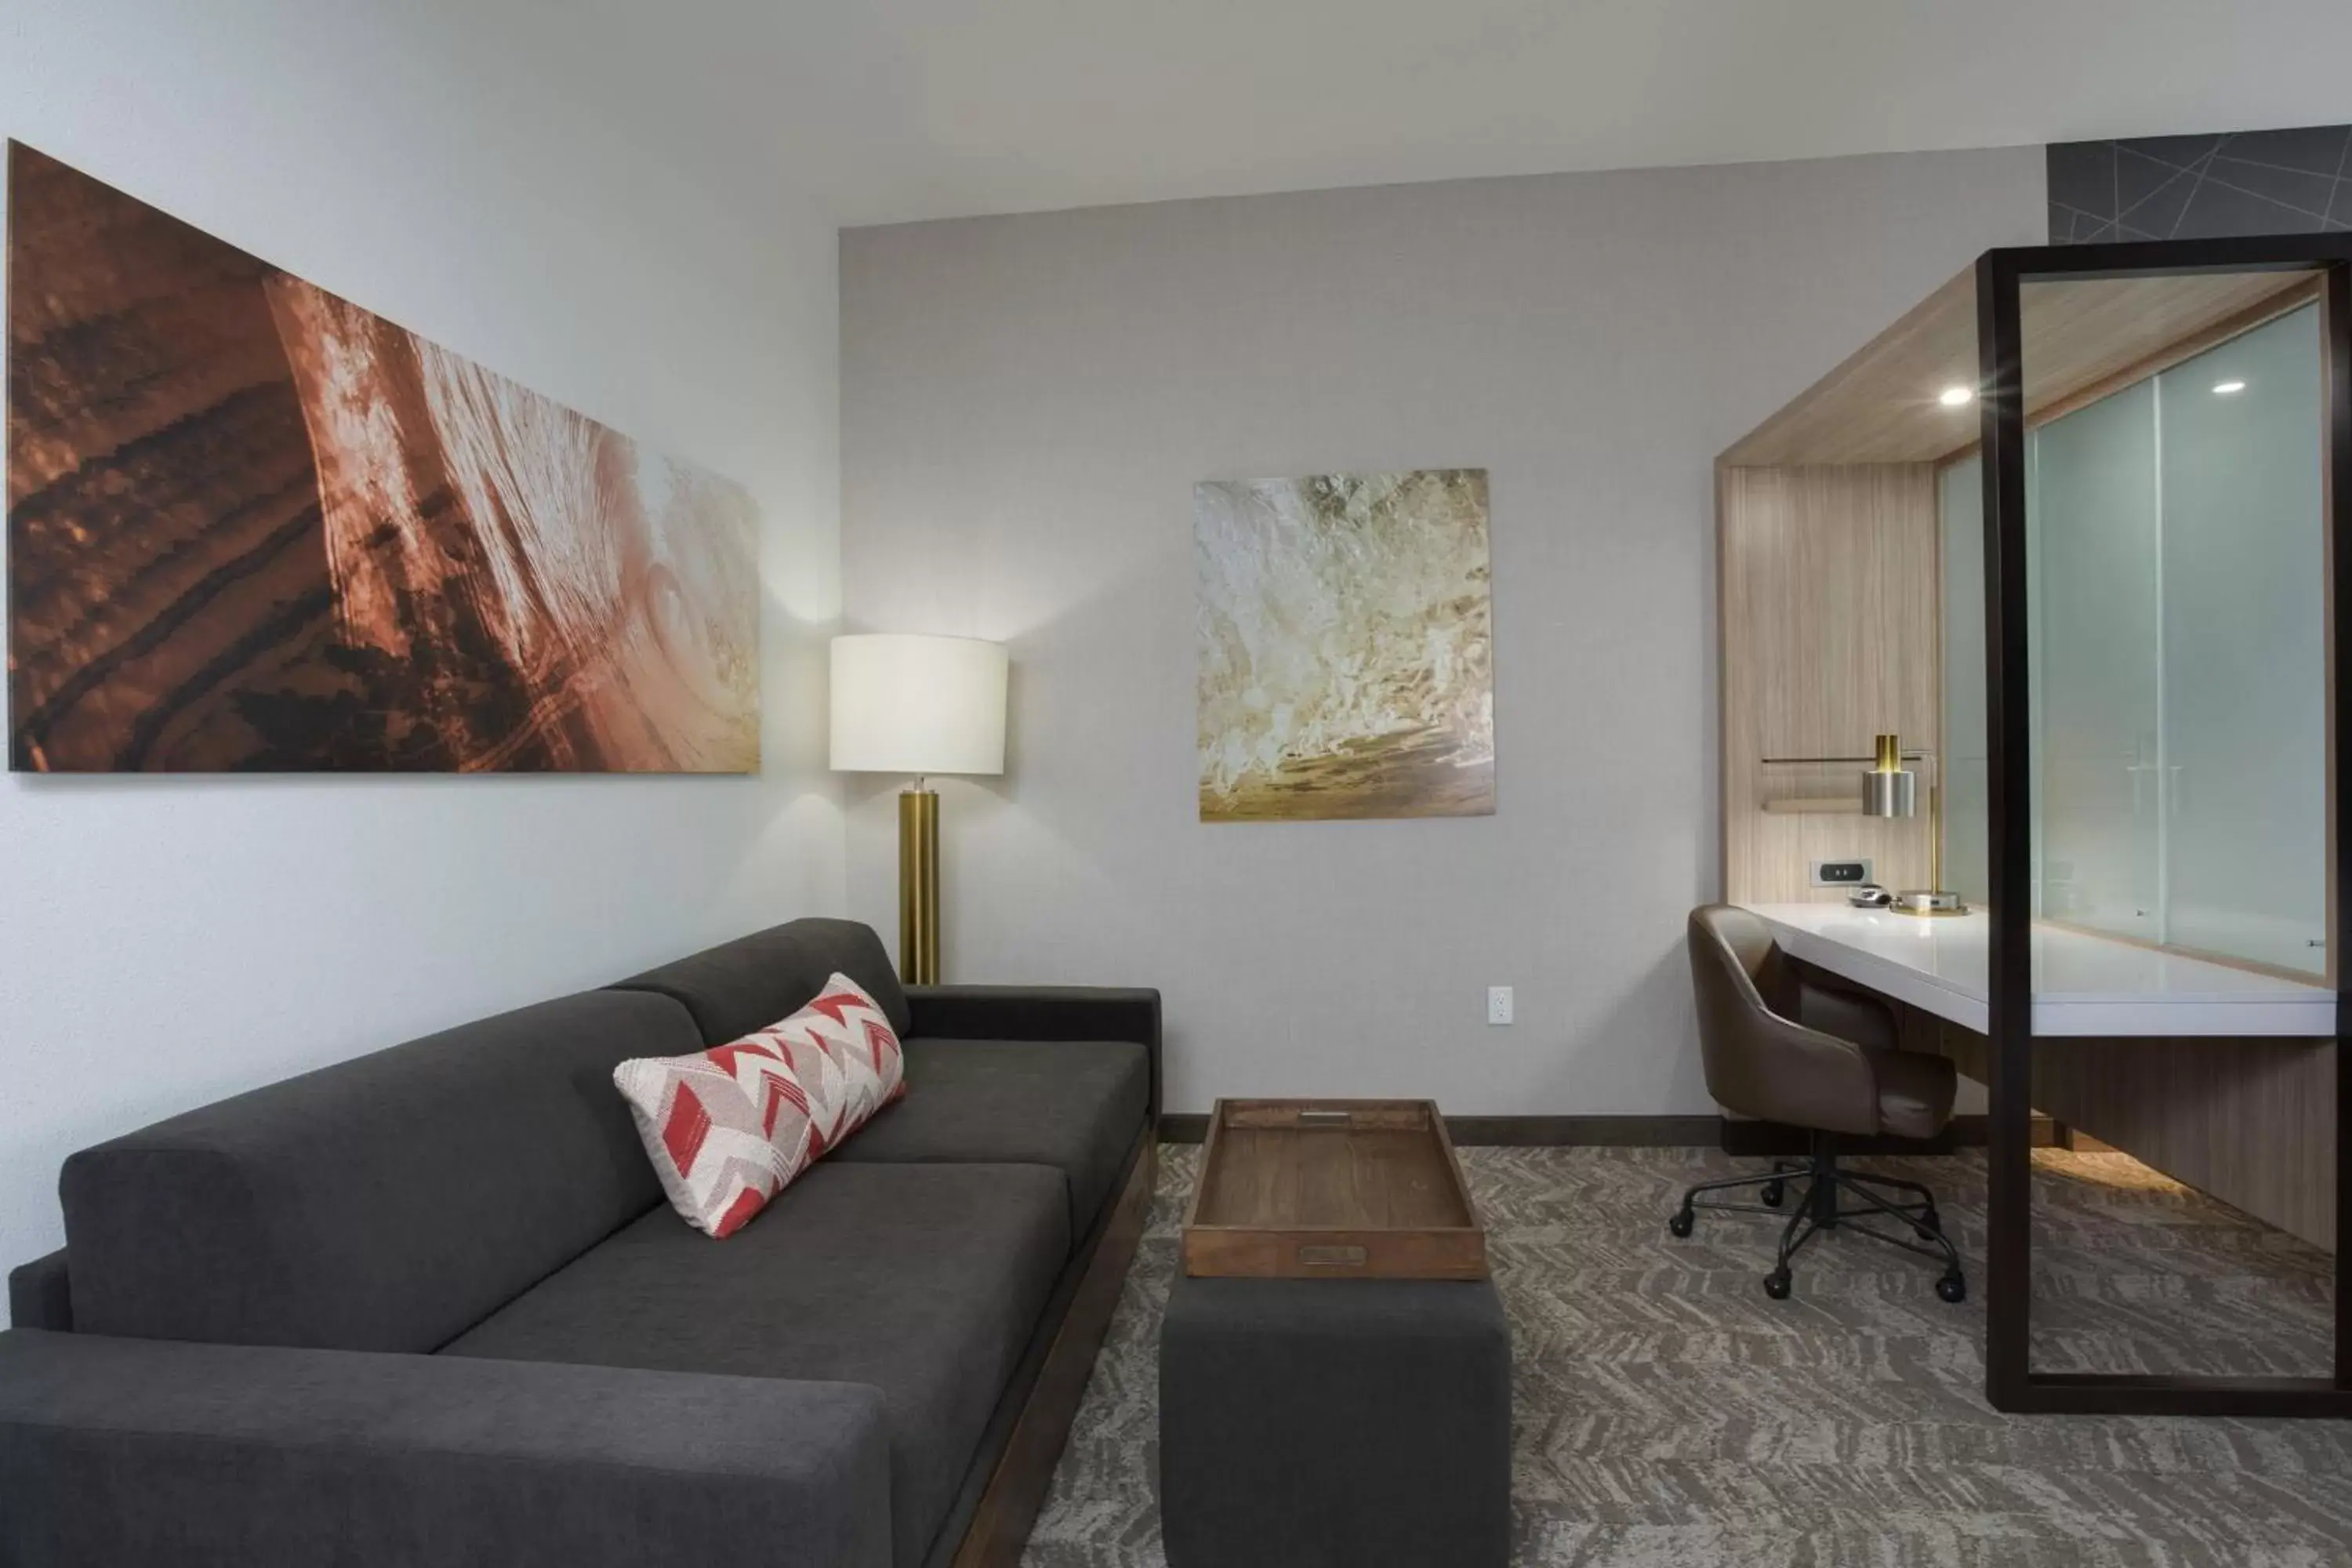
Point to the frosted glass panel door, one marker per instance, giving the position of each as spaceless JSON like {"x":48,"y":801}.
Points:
{"x":2245,"y":725}
{"x":2091,"y":515}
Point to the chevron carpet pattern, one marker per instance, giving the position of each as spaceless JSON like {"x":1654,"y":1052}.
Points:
{"x":1669,"y":1415}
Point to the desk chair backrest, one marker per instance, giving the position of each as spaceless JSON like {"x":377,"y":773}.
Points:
{"x":1760,"y":1062}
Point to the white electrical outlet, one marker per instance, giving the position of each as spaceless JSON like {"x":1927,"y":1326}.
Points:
{"x":1498,"y":1003}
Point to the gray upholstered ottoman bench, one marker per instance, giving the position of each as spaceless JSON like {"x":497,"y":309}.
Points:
{"x":1346,"y":1422}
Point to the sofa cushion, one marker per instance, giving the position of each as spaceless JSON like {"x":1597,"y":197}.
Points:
{"x":925,"y":1282}
{"x":749,"y":984}
{"x":729,"y":1127}
{"x":1076,"y":1105}
{"x":388,"y":1203}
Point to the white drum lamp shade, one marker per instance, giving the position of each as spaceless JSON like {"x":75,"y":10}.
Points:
{"x":910,"y":704}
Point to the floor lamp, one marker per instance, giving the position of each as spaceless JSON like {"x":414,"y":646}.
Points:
{"x":918,"y":705}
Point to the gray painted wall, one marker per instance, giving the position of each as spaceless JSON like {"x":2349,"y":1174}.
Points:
{"x":167,"y":941}
{"x":1026,"y":403}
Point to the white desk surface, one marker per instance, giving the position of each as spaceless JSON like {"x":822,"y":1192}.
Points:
{"x":2084,"y":984}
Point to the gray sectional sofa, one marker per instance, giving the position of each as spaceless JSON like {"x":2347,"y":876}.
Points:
{"x":428,"y":1306}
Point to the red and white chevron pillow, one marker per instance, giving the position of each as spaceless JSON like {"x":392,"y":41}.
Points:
{"x":727,"y":1128}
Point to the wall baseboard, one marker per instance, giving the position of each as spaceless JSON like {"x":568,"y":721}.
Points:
{"x":1583,"y":1132}
{"x":1531,"y":1132}
{"x":1749,"y":1138}
{"x":1732,"y":1136}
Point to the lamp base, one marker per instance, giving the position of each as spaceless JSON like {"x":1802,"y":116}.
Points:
{"x":918,"y":887}
{"x":1928,"y":901}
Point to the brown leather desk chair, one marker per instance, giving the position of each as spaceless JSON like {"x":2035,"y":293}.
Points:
{"x":1834,"y":1072}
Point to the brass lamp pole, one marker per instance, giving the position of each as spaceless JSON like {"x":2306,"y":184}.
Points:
{"x":1890,"y":789}
{"x":919,"y":884}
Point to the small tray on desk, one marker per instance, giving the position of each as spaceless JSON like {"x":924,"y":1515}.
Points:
{"x":1331,"y":1189}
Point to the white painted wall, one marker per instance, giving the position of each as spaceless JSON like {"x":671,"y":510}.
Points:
{"x":1026,"y":403}
{"x":167,"y":940}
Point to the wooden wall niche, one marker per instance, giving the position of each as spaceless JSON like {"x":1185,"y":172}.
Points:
{"x":1828,"y":550}
{"x":1829,"y":617}
{"x":1829,"y":605}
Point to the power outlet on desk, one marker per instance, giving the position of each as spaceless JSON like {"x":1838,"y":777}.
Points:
{"x":1841,"y":873}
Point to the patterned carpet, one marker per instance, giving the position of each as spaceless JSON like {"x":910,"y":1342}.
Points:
{"x":1669,"y":1415}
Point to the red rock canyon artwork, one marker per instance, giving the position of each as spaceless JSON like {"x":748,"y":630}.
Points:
{"x":254,"y":527}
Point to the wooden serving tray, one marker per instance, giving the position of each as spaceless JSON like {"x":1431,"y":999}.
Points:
{"x":1331,"y":1189}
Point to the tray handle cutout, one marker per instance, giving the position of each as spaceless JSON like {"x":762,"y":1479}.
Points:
{"x":1313,"y":1254}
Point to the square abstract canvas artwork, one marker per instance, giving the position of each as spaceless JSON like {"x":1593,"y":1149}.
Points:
{"x":1345,"y":646}
{"x":253,"y":526}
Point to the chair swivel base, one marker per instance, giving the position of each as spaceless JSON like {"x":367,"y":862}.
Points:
{"x":1822,"y":1184}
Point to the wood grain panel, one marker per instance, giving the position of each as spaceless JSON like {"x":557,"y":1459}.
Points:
{"x":2251,"y":1121}
{"x":1880,"y":406}
{"x":1829,"y":635}
{"x":1377,"y":1178}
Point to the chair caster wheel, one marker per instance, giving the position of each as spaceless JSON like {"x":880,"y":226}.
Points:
{"x":1680,"y":1224}
{"x":1776,"y":1284}
{"x":1773,"y":1194}
{"x":1953,"y":1288}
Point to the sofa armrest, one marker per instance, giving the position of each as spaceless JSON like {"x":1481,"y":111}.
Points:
{"x":137,"y":1452}
{"x":41,"y":1295}
{"x":1041,"y":1013}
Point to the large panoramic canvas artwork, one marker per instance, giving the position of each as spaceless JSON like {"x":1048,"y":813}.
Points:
{"x":1347,"y":653}
{"x":253,"y":526}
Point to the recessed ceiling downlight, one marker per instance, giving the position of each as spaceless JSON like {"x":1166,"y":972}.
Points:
{"x":2226,"y":388}
{"x":1957,"y":396}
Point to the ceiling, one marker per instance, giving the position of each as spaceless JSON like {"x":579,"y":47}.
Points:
{"x":883,"y":110}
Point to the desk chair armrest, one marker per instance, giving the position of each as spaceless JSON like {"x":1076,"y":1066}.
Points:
{"x":1813,"y":1080}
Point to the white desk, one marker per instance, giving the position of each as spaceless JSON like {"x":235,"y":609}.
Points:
{"x":2084,"y":984}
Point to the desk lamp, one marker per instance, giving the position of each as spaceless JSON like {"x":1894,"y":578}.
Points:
{"x":1890,"y":789}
